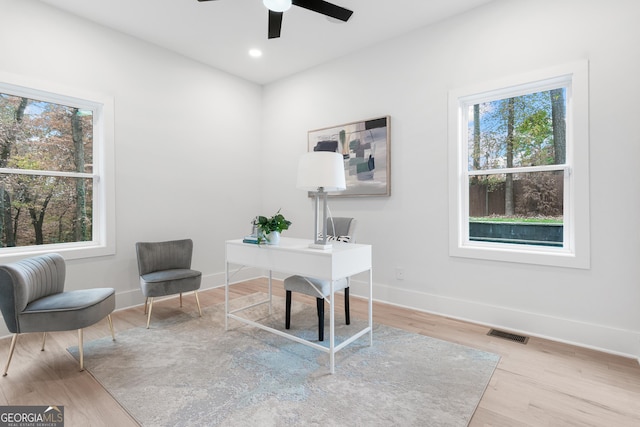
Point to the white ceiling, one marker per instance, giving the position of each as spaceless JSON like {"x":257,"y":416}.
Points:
{"x":220,"y":33}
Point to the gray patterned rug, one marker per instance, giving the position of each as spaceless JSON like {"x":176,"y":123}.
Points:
{"x":188,"y":371}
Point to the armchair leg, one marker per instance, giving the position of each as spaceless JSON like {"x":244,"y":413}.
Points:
{"x":149,"y":315}
{"x":287,"y":314}
{"x":44,"y":337}
{"x":13,"y":347}
{"x":146,"y":300}
{"x":346,"y":306}
{"x":180,"y":299}
{"x":198,"y":302}
{"x":80,"y":350}
{"x":113,"y":334}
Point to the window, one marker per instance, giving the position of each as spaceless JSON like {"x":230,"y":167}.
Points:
{"x":55,"y":173}
{"x":519,"y":169}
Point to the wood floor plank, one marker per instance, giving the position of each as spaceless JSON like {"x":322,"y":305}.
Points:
{"x":542,"y":383}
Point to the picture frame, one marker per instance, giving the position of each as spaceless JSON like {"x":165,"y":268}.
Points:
{"x":365,"y":147}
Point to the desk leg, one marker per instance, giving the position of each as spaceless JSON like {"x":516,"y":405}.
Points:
{"x":226,"y":296}
{"x":332,"y":325}
{"x":370,"y":307}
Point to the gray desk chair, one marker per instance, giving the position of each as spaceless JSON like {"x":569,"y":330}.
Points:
{"x":32,"y":299}
{"x":165,"y":269}
{"x":344,"y":231}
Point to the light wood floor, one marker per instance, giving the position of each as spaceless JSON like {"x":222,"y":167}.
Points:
{"x":542,"y":383}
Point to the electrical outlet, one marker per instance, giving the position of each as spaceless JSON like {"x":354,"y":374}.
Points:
{"x":399,"y":273}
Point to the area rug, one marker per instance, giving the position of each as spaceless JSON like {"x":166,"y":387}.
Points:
{"x":187,"y":370}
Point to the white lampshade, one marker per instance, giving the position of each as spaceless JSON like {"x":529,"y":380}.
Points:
{"x":277,"y":5}
{"x":321,"y":169}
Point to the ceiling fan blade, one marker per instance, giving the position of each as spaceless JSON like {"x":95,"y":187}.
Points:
{"x":206,"y":0}
{"x":275,"y":24}
{"x":325,"y":8}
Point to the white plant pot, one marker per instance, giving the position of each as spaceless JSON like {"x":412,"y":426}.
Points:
{"x":273,"y":238}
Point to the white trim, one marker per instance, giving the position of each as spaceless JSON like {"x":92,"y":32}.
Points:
{"x":48,"y":173}
{"x":104,"y":224}
{"x":576,"y":250}
{"x":523,"y":169}
{"x":607,"y":339}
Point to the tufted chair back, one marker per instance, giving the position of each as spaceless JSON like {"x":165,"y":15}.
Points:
{"x":159,"y":256}
{"x":27,"y":280}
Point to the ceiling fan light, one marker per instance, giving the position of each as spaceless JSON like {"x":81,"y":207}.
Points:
{"x":277,"y":5}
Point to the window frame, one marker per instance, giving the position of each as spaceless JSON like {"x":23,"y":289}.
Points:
{"x":103,"y":220}
{"x":575,"y":252}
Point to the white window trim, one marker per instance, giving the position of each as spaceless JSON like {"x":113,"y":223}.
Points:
{"x":104,"y":229}
{"x":576,"y":253}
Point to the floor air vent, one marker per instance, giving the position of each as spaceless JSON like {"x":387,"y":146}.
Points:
{"x":508,"y":336}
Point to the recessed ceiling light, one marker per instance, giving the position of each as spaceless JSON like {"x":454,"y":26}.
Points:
{"x":255,"y":53}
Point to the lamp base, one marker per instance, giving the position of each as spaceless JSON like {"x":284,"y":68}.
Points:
{"x":324,"y":247}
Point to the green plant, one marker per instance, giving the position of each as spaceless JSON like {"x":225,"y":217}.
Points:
{"x":275,"y":223}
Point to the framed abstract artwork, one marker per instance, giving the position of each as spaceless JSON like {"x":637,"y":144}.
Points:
{"x":365,"y":148}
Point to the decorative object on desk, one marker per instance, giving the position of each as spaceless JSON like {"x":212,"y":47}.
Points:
{"x":273,"y":238}
{"x":269,"y":229}
{"x":320,"y":172}
{"x":253,"y":237}
{"x":246,"y":376}
{"x":365,"y":148}
{"x":345,"y":239}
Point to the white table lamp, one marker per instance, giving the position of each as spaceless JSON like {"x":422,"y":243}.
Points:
{"x":320,"y":172}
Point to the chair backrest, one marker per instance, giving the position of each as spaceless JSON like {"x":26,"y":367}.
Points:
{"x":158,"y":256}
{"x":342,"y":227}
{"x":27,"y":280}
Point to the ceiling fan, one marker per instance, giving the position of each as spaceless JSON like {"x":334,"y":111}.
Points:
{"x":278,"y":7}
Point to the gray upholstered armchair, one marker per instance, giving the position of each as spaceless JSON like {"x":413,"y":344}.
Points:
{"x":338,"y":229}
{"x":165,"y":269}
{"x":32,"y":299}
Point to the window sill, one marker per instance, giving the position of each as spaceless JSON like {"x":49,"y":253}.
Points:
{"x":524,"y":254}
{"x":67,"y":250}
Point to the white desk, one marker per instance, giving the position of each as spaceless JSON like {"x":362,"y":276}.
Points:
{"x":293,"y":256}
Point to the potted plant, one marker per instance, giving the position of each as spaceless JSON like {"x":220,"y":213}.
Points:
{"x":269,"y":229}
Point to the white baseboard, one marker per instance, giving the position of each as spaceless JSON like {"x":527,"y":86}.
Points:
{"x":603,"y":338}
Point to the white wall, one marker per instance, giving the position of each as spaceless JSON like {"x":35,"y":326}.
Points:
{"x":186,"y":138}
{"x":192,"y":142}
{"x":408,"y":78}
